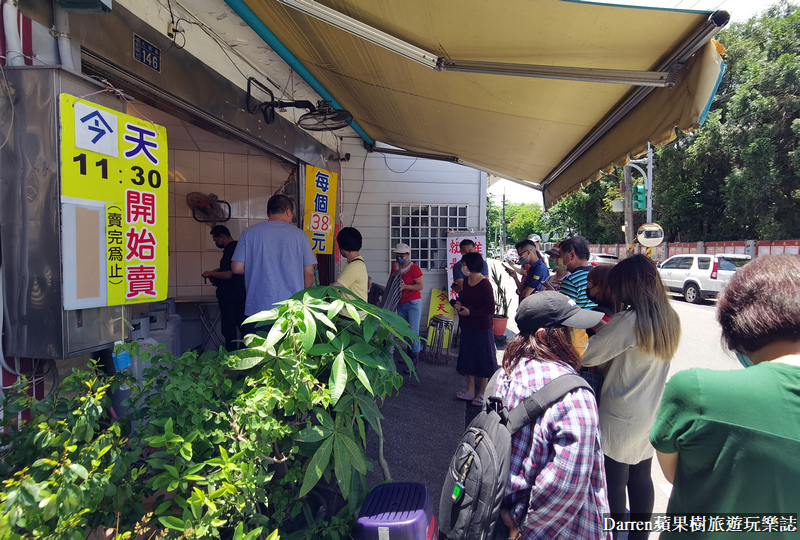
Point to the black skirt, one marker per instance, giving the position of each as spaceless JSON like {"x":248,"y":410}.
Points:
{"x":477,"y":354}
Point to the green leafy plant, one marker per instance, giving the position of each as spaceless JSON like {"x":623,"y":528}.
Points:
{"x":69,"y":468}
{"x":224,"y":444}
{"x":243,"y":437}
{"x":500,"y":296}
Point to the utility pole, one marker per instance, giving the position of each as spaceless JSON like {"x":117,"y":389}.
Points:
{"x":628,"y":194}
{"x":504,"y":223}
{"x":649,"y":183}
{"x":628,"y":189}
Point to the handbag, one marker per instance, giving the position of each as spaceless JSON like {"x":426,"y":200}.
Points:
{"x":595,"y":380}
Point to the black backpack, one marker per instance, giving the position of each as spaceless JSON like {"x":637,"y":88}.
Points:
{"x":476,"y":479}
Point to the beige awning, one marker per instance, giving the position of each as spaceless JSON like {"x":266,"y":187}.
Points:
{"x":548,"y":133}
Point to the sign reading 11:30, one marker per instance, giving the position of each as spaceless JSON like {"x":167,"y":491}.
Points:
{"x":153,"y":175}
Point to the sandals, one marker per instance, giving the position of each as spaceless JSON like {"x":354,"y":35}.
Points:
{"x":478,"y":401}
{"x":466,"y":396}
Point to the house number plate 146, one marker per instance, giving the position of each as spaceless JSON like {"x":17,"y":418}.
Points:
{"x":146,"y":53}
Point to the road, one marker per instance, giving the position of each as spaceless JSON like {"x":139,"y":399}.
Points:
{"x":700,"y":346}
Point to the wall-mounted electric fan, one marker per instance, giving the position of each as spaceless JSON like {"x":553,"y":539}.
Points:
{"x":321,"y":117}
{"x":208,"y":208}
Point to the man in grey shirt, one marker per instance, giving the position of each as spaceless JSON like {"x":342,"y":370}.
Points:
{"x":275,"y":258}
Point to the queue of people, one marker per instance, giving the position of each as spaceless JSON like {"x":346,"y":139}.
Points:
{"x":728,"y":441}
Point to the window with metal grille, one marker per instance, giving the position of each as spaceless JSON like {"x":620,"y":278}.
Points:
{"x":424,"y":227}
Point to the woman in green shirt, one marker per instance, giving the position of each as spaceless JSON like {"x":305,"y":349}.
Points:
{"x":730,"y":441}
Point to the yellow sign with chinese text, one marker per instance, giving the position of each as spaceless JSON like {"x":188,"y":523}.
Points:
{"x":320,"y":208}
{"x":119,"y":163}
{"x":440,"y":305}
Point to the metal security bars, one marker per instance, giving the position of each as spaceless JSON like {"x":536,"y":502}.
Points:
{"x":424,"y":227}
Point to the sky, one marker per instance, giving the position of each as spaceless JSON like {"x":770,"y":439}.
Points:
{"x":740,"y":11}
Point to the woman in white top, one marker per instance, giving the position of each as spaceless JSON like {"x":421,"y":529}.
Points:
{"x":634,"y":350}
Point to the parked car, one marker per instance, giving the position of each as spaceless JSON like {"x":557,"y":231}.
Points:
{"x":700,"y":276}
{"x":596,"y":259}
{"x":511,"y":256}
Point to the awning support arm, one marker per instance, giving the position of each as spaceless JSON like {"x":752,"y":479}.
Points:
{"x":412,"y":154}
{"x":616,"y":76}
{"x":663,"y":78}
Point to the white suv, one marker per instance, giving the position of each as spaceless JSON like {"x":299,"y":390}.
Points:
{"x":596,"y":259}
{"x":700,"y":276}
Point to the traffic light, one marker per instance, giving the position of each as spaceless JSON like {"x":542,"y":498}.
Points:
{"x":639,"y":197}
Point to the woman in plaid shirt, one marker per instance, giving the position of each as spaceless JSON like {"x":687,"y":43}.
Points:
{"x":557,"y":485}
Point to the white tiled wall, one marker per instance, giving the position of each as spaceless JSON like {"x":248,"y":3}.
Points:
{"x":245,"y":180}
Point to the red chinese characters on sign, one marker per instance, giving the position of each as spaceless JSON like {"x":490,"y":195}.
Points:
{"x":454,"y":247}
{"x":441,"y":303}
{"x":140,"y":244}
{"x":140,"y":206}
{"x":141,"y":280}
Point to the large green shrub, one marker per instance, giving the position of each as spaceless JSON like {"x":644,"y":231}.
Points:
{"x":225,"y":443}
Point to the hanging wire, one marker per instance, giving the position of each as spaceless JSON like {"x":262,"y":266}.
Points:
{"x":394,"y":171}
{"x":11,"y":123}
{"x":360,"y":191}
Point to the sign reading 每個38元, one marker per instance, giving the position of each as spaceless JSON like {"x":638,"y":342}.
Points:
{"x":320,"y":208}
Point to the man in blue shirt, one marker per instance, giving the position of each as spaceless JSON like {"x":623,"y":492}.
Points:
{"x":467,"y":246}
{"x":537,"y":273}
{"x":275,"y":258}
{"x":575,"y":253}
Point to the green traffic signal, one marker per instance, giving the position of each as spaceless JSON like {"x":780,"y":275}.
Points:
{"x":639,"y":197}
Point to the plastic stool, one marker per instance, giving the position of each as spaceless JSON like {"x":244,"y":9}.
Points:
{"x":438,"y":327}
{"x":399,"y":511}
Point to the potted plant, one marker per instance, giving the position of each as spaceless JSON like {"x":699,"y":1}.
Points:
{"x":500,"y":317}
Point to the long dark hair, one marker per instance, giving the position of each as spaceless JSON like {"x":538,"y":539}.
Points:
{"x":636,"y":285}
{"x":548,"y":345}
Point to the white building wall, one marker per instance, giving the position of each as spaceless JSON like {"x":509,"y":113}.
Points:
{"x":371,"y":181}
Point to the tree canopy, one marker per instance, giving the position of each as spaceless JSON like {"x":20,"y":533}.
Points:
{"x":522,"y":220}
{"x":738,"y":175}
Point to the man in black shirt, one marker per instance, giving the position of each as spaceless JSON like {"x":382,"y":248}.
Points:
{"x":230,"y":288}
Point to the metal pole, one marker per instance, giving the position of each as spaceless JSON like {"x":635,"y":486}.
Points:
{"x":504,"y":223}
{"x":628,"y":193}
{"x":649,"y":183}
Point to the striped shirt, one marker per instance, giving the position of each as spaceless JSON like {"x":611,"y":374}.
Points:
{"x":574,"y":286}
{"x":557,"y":485}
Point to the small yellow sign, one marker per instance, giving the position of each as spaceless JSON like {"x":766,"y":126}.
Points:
{"x":320,"y":208}
{"x":120,"y":162}
{"x":440,"y":305}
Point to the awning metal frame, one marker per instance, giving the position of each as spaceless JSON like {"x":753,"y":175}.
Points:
{"x":656,"y":79}
{"x":716,"y":21}
{"x":666,"y":75}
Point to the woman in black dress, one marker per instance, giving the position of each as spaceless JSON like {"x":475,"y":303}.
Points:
{"x":477,"y":356}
